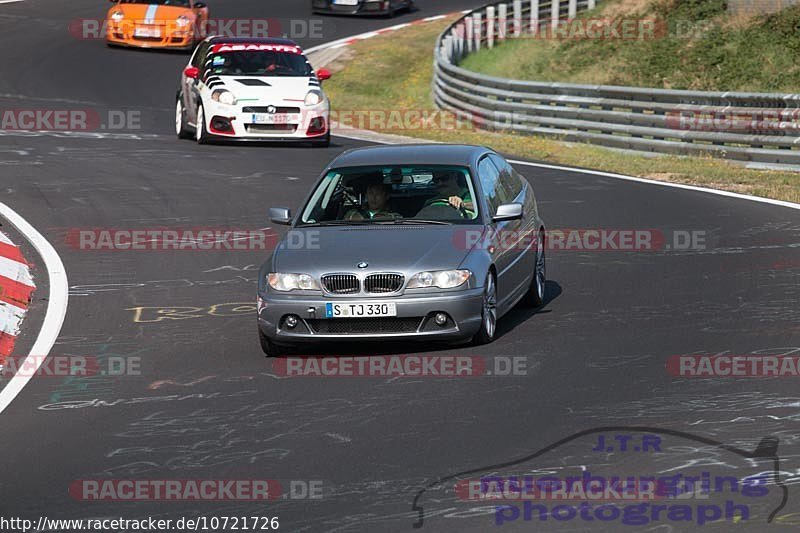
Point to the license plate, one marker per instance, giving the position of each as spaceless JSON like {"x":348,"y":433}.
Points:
{"x":147,"y":32}
{"x":269,"y":118}
{"x":345,"y":2}
{"x":360,"y":309}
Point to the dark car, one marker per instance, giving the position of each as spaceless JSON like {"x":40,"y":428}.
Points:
{"x":419,"y":242}
{"x":360,"y":7}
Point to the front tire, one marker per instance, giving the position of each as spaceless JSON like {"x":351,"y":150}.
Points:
{"x":488,"y":328}
{"x":180,"y":120}
{"x":267,"y":346}
{"x":201,"y":135}
{"x":325,"y":142}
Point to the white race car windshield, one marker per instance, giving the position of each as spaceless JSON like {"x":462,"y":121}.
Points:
{"x":259,"y":63}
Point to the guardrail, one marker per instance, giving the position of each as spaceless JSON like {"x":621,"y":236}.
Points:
{"x":757,"y":127}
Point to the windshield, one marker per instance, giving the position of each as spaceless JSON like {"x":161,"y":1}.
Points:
{"x":179,"y":3}
{"x":258,"y":63}
{"x":384,"y":195}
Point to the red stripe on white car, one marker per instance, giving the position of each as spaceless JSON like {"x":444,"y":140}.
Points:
{"x":16,"y":287}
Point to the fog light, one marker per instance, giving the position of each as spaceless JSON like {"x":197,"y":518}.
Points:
{"x":291,"y":321}
{"x":440,"y":319}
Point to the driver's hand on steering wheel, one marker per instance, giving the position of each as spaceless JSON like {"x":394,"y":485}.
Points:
{"x":456,"y":201}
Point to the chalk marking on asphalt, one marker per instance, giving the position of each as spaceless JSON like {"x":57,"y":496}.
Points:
{"x":56,"y":305}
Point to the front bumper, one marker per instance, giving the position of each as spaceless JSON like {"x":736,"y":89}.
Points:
{"x":125,"y":35}
{"x":380,"y":7}
{"x":414,"y":319}
{"x":292,"y":125}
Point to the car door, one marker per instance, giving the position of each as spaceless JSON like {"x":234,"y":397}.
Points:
{"x":189,"y":86}
{"x":495,"y":195}
{"x":518,"y":235}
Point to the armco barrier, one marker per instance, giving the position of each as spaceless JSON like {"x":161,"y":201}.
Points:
{"x":757,"y":127}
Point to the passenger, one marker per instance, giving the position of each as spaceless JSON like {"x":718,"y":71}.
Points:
{"x":377,"y":203}
{"x":450,"y":192}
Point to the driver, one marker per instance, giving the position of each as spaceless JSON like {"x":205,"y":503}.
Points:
{"x":450,"y":192}
{"x":377,"y":204}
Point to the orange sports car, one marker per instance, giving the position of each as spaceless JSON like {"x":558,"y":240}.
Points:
{"x":156,"y":23}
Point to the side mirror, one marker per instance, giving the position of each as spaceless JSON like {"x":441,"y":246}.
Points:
{"x":199,"y":5}
{"x":508,"y":212}
{"x":280,"y":215}
{"x":191,"y":72}
{"x":324,"y":74}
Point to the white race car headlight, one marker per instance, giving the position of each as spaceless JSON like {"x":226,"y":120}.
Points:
{"x":313,"y":98}
{"x":443,"y":279}
{"x":117,"y":16}
{"x":182,"y":21}
{"x":223,"y":96}
{"x":290,"y":282}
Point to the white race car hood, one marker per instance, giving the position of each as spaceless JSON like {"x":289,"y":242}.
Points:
{"x":266,"y":89}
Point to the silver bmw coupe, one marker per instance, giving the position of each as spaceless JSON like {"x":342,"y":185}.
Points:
{"x":419,"y":242}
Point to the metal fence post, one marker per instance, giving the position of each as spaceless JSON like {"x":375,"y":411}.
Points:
{"x":502,"y":22}
{"x":534,"y":17}
{"x":477,"y":29}
{"x":490,"y":26}
{"x":555,"y":10}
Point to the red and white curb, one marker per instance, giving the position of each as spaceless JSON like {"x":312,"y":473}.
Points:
{"x":16,"y":287}
{"x":57,"y":298}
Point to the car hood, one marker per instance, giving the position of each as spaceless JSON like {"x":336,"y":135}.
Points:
{"x":152,"y":13}
{"x":250,"y":90}
{"x":405,"y":248}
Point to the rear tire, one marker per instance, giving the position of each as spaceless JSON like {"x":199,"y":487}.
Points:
{"x":535,"y":295}
{"x":488,"y":329}
{"x":180,"y":120}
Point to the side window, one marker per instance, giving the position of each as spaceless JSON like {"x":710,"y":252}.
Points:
{"x":199,"y":59}
{"x":508,"y":178}
{"x":490,"y":183}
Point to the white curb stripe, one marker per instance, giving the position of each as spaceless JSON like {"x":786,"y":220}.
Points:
{"x":15,"y":271}
{"x":10,"y":318}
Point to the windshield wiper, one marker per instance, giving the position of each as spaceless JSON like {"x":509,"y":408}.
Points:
{"x":416,"y":221}
{"x":337,"y":223}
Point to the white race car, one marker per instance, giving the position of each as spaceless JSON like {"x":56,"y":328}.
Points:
{"x":252,"y":89}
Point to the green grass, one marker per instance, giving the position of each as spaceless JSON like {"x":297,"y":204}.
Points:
{"x":394,"y":72}
{"x":698,"y":46}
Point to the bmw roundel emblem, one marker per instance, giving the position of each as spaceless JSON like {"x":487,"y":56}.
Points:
{"x":363,"y":264}
{"x":271,"y":109}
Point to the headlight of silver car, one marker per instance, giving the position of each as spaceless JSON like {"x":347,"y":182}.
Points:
{"x":443,"y":279}
{"x":290,"y":282}
{"x":313,"y":98}
{"x":223,"y":97}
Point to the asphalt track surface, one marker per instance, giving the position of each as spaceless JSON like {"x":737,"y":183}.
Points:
{"x":595,"y":354}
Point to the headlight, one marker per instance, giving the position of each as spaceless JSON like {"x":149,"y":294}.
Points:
{"x":291,"y":282}
{"x":313,"y":97}
{"x":117,"y":16}
{"x":444,"y":279}
{"x":182,"y":21}
{"x":223,"y":97}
